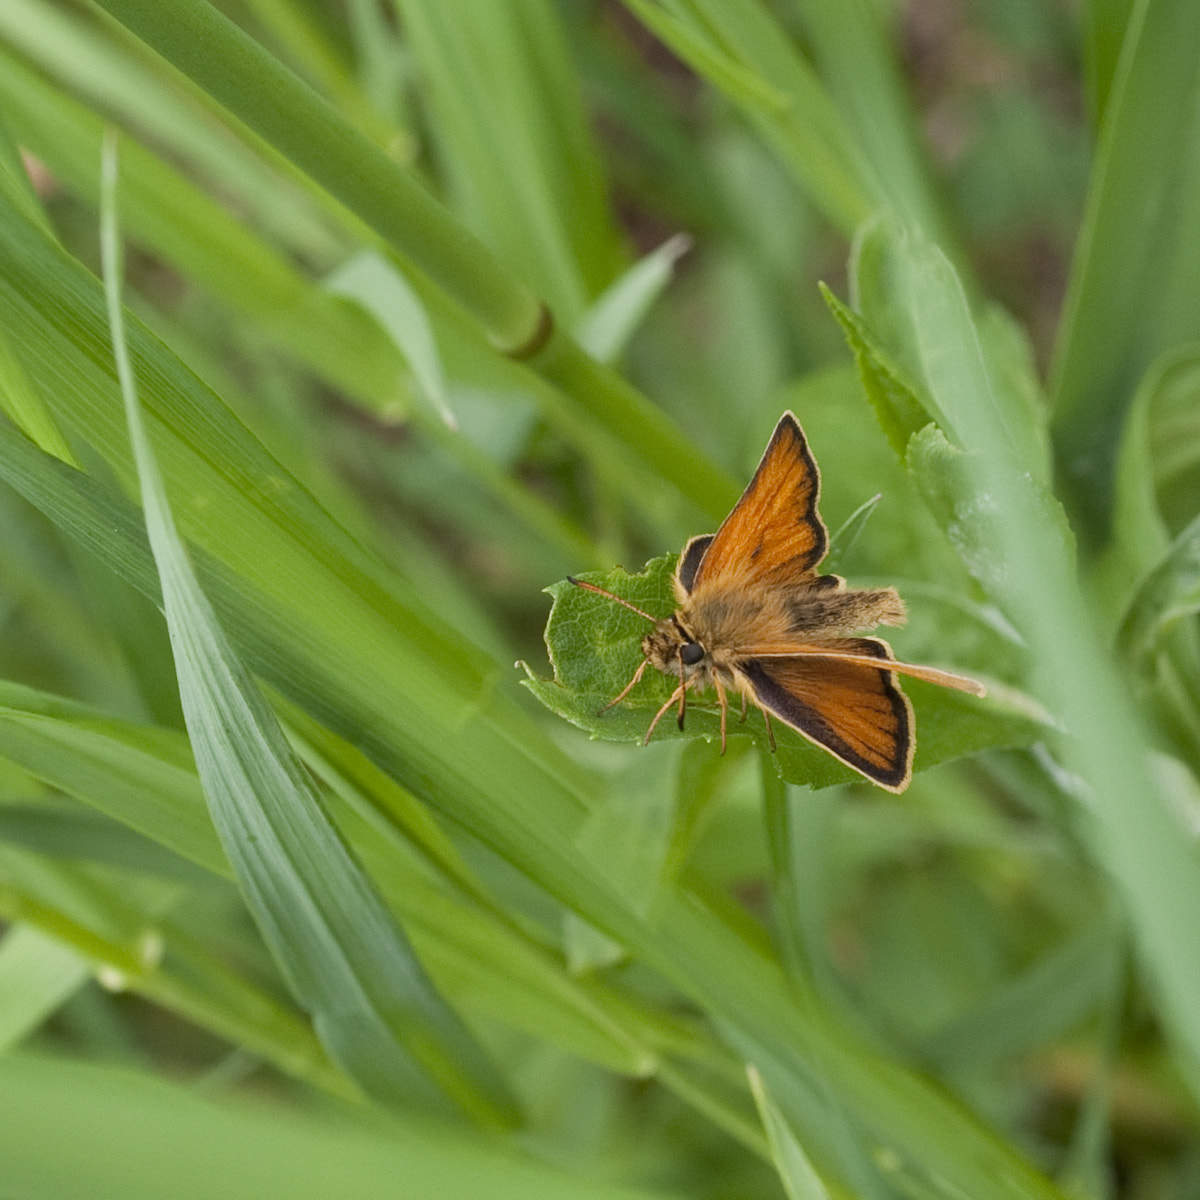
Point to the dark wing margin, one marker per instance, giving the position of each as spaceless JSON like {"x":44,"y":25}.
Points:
{"x":855,"y":711}
{"x":690,"y":559}
{"x":774,"y":533}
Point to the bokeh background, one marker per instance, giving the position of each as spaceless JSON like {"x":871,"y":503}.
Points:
{"x":430,"y":305}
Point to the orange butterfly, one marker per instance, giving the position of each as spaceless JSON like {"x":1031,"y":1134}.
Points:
{"x":754,"y":617}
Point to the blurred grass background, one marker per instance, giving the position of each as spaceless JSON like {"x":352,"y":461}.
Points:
{"x":434,"y":941}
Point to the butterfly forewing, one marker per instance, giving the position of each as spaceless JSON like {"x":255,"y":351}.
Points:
{"x":773,"y":534}
{"x":854,"y":710}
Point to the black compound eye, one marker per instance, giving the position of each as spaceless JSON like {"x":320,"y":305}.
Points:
{"x":690,"y":653}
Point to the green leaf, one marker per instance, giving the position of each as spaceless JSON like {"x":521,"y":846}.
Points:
{"x":1031,"y":574}
{"x":800,"y":1178}
{"x":141,"y":776}
{"x":375,"y":285}
{"x":900,"y":411}
{"x":1167,"y":595}
{"x":1134,"y":291}
{"x":595,"y":646}
{"x":137,"y":1138}
{"x":611,"y":319}
{"x":37,"y":974}
{"x":347,"y":960}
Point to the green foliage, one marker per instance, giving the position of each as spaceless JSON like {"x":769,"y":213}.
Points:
{"x":277,"y":818}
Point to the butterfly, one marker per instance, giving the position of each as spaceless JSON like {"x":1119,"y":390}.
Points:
{"x":755,"y":618}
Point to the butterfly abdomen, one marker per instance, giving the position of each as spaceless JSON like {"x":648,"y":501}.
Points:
{"x":835,"y":611}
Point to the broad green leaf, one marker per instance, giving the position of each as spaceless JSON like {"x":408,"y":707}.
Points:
{"x":136,"y":1138}
{"x":1031,"y":574}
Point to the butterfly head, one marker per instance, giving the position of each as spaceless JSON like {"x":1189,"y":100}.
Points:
{"x":673,"y":648}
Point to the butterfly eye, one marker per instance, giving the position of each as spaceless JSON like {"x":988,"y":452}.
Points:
{"x":690,"y":653}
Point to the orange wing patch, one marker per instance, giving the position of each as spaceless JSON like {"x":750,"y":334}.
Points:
{"x":854,"y":710}
{"x":773,"y":535}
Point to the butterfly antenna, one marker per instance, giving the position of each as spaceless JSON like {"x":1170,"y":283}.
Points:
{"x":946,"y":679}
{"x":591,"y":587}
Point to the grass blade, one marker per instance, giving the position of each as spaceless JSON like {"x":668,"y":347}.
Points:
{"x":349,"y":963}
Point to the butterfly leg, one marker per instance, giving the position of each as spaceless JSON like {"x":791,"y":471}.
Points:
{"x":628,"y":687}
{"x":677,"y":694}
{"x":724,"y":703}
{"x":682,"y":691}
{"x":742,"y":718}
{"x":770,"y":731}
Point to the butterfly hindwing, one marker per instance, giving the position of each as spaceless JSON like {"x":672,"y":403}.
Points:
{"x":774,"y":534}
{"x":854,"y":710}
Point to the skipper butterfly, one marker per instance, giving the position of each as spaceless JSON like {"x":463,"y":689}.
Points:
{"x":754,"y":617}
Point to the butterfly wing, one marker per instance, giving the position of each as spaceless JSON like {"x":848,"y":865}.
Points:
{"x":773,"y":535}
{"x":690,"y":560}
{"x":853,"y":709}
